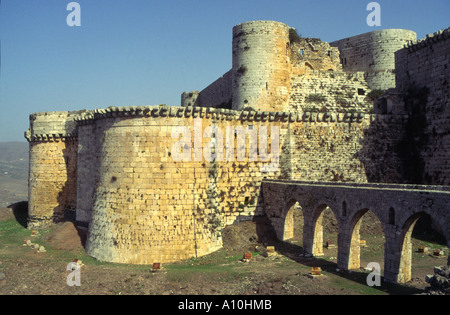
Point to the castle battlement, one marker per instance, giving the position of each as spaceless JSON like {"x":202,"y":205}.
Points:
{"x":428,"y":41}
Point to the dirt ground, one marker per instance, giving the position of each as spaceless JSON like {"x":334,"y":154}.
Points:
{"x":27,"y":271}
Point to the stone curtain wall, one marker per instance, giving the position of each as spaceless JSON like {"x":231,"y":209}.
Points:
{"x":218,"y":94}
{"x":374,"y":53}
{"x":146,"y":206}
{"x":143,"y":206}
{"x":333,"y":91}
{"x":423,"y":78}
{"x":88,"y":171}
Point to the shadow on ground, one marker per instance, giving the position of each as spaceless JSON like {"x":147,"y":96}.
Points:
{"x":20,"y":211}
{"x":292,"y":251}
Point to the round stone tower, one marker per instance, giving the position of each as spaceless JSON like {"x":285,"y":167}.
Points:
{"x":52,"y":169}
{"x":260,"y":72}
{"x":374,"y":53}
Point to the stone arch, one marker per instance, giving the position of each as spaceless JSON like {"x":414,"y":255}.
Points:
{"x":288,"y":214}
{"x":354,"y":260}
{"x":317,"y":229}
{"x":405,"y":263}
{"x":404,"y":272}
{"x":308,"y":65}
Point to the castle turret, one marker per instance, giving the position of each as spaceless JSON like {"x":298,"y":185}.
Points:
{"x":52,"y":171}
{"x":374,"y":53}
{"x":260,"y":73}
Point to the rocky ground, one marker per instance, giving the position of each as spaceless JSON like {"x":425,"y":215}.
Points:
{"x":28,"y":270}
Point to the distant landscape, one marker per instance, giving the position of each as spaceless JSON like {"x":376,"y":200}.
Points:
{"x":13,"y":172}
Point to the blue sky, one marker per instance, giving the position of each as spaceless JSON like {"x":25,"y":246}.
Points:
{"x":143,"y":52}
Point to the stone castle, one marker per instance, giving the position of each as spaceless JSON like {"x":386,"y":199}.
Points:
{"x":373,"y":108}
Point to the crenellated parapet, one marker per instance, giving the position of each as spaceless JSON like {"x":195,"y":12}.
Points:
{"x":428,"y":41}
{"x":50,"y":137}
{"x":53,"y":126}
{"x":220,"y":114}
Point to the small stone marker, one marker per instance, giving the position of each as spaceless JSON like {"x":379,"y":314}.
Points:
{"x":423,"y":249}
{"x":316,"y":271}
{"x":156,"y":267}
{"x":330,"y":245}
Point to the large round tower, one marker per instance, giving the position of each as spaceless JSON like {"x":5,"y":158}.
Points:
{"x":374,"y":53}
{"x":260,"y":73}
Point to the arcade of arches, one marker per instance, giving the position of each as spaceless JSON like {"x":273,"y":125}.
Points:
{"x":397,"y":208}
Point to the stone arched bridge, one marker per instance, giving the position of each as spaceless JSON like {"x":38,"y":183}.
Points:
{"x":398,"y":207}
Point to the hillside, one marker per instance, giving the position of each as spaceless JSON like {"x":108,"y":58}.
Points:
{"x":13,"y":172}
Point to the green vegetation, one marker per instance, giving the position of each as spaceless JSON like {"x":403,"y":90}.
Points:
{"x":315,"y":98}
{"x":375,"y":94}
{"x":294,"y":37}
{"x":216,"y":265}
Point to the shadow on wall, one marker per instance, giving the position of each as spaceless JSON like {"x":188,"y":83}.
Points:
{"x":393,"y":146}
{"x":67,"y":197}
{"x":427,"y":229}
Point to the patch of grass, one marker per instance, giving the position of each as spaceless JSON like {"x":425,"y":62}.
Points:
{"x":12,"y":233}
{"x":358,"y":286}
{"x":216,"y":265}
{"x":315,"y":98}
